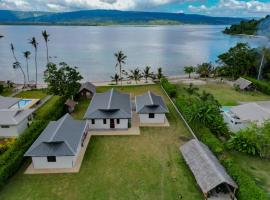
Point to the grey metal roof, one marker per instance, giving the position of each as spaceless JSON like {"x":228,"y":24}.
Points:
{"x":88,"y":86}
{"x":243,"y":83}
{"x":150,"y":103}
{"x":7,"y":102}
{"x":59,"y":138}
{"x":207,"y":170}
{"x":14,"y":117}
{"x":109,"y":105}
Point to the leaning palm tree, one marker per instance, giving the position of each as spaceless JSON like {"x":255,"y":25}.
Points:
{"x":159,"y":74}
{"x":46,"y":38}
{"x":115,"y":78}
{"x":34,"y":43}
{"x":17,"y":64}
{"x":147,"y":74}
{"x":26,"y":55}
{"x":135,"y":75}
{"x":120,"y":59}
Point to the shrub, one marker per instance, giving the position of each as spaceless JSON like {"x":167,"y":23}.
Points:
{"x":1,"y":88}
{"x":262,"y":86}
{"x":168,"y":87}
{"x":6,"y":143}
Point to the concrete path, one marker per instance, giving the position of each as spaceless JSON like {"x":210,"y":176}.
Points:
{"x":166,"y":124}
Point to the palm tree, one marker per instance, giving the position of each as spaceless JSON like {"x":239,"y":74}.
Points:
{"x":135,"y":75}
{"x":120,"y":58}
{"x":115,"y":78}
{"x":34,"y":43}
{"x":26,"y":54}
{"x":188,"y":70}
{"x":159,"y":74}
{"x":46,"y":38}
{"x":17,"y":64}
{"x":147,"y":74}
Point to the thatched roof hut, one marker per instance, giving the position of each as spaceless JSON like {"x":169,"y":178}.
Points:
{"x":207,"y":170}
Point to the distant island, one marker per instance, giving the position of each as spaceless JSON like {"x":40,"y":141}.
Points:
{"x":109,"y":17}
{"x":251,"y":27}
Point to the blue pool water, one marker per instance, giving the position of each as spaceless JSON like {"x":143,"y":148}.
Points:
{"x":24,"y":102}
{"x":226,"y":108}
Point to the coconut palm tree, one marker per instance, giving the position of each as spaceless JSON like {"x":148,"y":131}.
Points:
{"x":34,"y":43}
{"x":188,"y":70}
{"x":17,"y":64}
{"x":159,"y":74}
{"x":46,"y":38}
{"x":120,"y":59}
{"x":115,"y":78}
{"x":147,"y":74}
{"x":26,"y":55}
{"x":135,"y":75}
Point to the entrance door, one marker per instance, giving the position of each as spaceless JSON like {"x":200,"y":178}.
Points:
{"x":112,"y":124}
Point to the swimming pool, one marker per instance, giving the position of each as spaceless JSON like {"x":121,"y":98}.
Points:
{"x":23,"y":103}
{"x":226,"y":108}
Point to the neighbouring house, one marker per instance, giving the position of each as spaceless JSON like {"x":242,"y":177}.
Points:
{"x":87,"y":90}
{"x":109,"y":110}
{"x":59,"y":145}
{"x":14,"y":122}
{"x":70,"y":104}
{"x":240,"y":117}
{"x":243,"y":84}
{"x":8,"y":102}
{"x":210,"y":175}
{"x":151,"y":108}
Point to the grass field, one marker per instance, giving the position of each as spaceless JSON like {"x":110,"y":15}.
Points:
{"x":148,"y":166}
{"x":7,"y":92}
{"x":228,"y":96}
{"x":32,"y":94}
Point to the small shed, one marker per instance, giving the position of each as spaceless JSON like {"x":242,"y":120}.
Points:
{"x":87,"y":90}
{"x":243,"y":84}
{"x":70,"y":104}
{"x":208,"y":172}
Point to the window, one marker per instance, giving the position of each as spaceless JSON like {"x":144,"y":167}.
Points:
{"x":151,"y":115}
{"x":93,"y":121}
{"x":4,"y":126}
{"x":104,"y":121}
{"x":118,"y":121}
{"x":51,"y":158}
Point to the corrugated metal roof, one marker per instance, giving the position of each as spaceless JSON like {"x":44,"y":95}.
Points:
{"x":242,"y":83}
{"x":110,"y":104}
{"x":150,"y":103}
{"x":88,"y":86}
{"x":207,"y":170}
{"x":7,"y":102}
{"x":59,"y":138}
{"x":14,"y":117}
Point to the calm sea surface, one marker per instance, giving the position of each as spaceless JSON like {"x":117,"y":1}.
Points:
{"x":92,"y":49}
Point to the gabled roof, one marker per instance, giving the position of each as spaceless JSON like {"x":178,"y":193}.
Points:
{"x":253,"y":112}
{"x":88,"y":86}
{"x":59,"y":138}
{"x":243,"y":83}
{"x":110,"y":104}
{"x":150,"y":103}
{"x":14,"y":117}
{"x":207,"y":170}
{"x":70,"y":103}
{"x":7,"y":102}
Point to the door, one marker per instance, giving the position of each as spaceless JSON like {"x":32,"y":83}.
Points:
{"x":112,"y":124}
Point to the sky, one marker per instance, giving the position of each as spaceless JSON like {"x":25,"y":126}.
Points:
{"x":234,"y":8}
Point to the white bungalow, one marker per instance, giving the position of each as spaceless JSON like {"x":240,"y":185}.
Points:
{"x":109,"y":110}
{"x":59,"y":144}
{"x":151,"y":108}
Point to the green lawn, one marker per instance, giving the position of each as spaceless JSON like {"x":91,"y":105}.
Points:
{"x":7,"y":92}
{"x":148,"y":166}
{"x":80,"y":108}
{"x":32,"y":94}
{"x":228,"y":96}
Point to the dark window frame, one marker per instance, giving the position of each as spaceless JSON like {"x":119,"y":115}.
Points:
{"x":104,"y":121}
{"x":51,"y":158}
{"x":93,"y":121}
{"x":117,"y":121}
{"x":151,"y":115}
{"x":5,"y":126}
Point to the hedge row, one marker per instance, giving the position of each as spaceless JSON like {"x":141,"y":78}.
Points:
{"x":262,"y":86}
{"x":248,"y":190}
{"x":170,"y":88}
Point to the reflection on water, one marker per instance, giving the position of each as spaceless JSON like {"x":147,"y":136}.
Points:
{"x":91,"y":49}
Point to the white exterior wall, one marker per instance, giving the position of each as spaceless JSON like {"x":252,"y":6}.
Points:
{"x":159,"y":119}
{"x":233,"y":124}
{"x":14,"y":130}
{"x":100,"y":126}
{"x":61,"y":162}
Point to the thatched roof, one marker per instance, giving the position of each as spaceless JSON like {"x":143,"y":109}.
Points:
{"x":208,"y":172}
{"x":243,"y":83}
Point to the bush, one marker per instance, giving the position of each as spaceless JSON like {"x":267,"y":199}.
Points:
{"x":1,"y":88}
{"x":262,"y":86}
{"x":168,"y":87}
{"x":6,"y":143}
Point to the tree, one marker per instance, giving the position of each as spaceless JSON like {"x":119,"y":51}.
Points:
{"x":62,"y":81}
{"x":115,"y":78}
{"x":159,"y":75}
{"x":188,"y":70}
{"x":34,"y":43}
{"x":147,"y":74}
{"x":17,"y":64}
{"x":26,"y":55}
{"x":191,"y":89}
{"x":120,"y":59}
{"x":135,"y":75}
{"x":204,"y":69}
{"x":46,"y":38}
